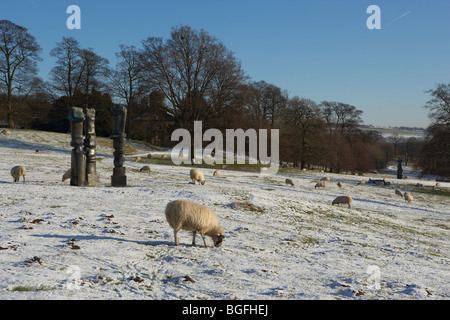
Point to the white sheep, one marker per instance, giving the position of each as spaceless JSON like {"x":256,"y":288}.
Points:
{"x":398,"y":193}
{"x":342,"y":200}
{"x":408,"y":197}
{"x":66,"y":175}
{"x":191,"y":216}
{"x":17,"y":172}
{"x":289,"y":181}
{"x":216,"y":173}
{"x":5,"y":132}
{"x":197,"y":175}
{"x":339,"y":184}
{"x":320,"y":184}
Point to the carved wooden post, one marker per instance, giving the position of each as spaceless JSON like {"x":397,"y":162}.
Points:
{"x":399,"y":169}
{"x":119,"y":179}
{"x":90,"y":144}
{"x":78,"y":158}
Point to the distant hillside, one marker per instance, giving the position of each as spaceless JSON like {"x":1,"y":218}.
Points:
{"x":403,"y":131}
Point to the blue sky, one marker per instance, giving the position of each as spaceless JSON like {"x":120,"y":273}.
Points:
{"x":321,"y":50}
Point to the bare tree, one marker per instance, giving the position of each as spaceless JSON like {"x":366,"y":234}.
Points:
{"x":196,"y":73}
{"x":302,"y":123}
{"x":66,"y":76}
{"x":126,"y":80}
{"x":18,"y":61}
{"x":341,"y":120}
{"x":396,"y":140}
{"x":264,"y":101}
{"x":439,"y":105}
{"x":435,"y":155}
{"x":127,"y":83}
{"x":94,"y":72}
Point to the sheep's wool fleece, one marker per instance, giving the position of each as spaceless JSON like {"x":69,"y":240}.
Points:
{"x":190,"y":216}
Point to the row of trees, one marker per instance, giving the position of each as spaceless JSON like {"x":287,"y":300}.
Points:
{"x":170,"y":83}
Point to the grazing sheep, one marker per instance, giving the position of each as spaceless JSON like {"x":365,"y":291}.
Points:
{"x":5,"y":132}
{"x":408,"y":197}
{"x":419,"y":185}
{"x":342,"y":200}
{"x":339,"y":184}
{"x":325,"y":179}
{"x":145,"y":169}
{"x":361,"y":182}
{"x":17,"y":172}
{"x":138,"y":159}
{"x":190,"y":216}
{"x":216,"y":173}
{"x":437,"y":185}
{"x":399,"y":193}
{"x":197,"y":175}
{"x":289,"y":181}
{"x":320,"y":184}
{"x":66,"y":175}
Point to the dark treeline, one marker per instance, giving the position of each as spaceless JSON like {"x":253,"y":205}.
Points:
{"x":170,"y":83}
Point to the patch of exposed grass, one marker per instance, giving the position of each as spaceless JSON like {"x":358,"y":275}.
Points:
{"x":248,"y":206}
{"x":30,"y":288}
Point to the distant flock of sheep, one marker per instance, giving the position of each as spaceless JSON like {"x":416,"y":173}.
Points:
{"x":194,"y":217}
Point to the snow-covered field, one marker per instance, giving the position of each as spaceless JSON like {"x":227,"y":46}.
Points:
{"x":282,"y":242}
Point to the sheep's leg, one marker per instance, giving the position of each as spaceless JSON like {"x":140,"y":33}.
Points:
{"x":23,"y":179}
{"x":194,"y":234}
{"x":204,"y":240}
{"x":176,"y":237}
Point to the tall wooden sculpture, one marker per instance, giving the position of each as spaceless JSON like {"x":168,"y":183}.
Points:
{"x":119,"y":179}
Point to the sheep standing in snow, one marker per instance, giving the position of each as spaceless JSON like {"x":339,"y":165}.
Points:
{"x":17,"y":172}
{"x":289,"y":181}
{"x":145,"y":169}
{"x":197,"y":175}
{"x":191,"y":216}
{"x":325,"y":179}
{"x":398,"y":193}
{"x":408,"y":197}
{"x":216,"y":173}
{"x":320,"y":184}
{"x":342,"y":200}
{"x":419,"y":185}
{"x":339,"y":184}
{"x":66,"y":175}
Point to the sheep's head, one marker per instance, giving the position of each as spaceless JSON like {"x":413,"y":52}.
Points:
{"x":218,"y":239}
{"x":202,"y":182}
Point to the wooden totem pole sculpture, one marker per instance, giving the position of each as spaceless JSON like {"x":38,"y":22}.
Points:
{"x":83,"y":170}
{"x":119,"y":179}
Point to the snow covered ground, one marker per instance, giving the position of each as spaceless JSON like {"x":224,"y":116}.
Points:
{"x":282,"y":242}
